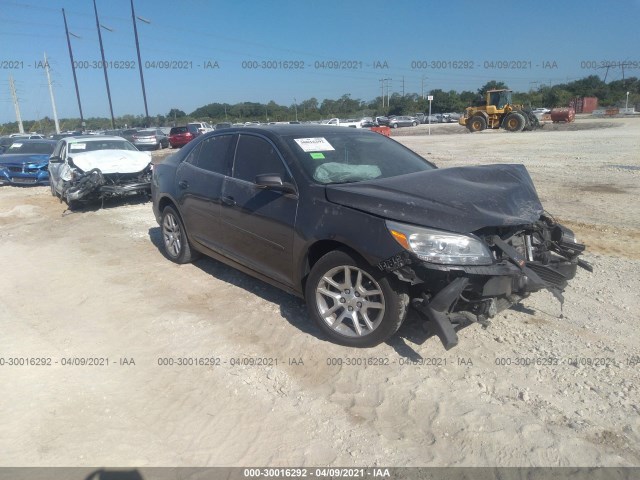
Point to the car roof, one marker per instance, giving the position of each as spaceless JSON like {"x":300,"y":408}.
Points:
{"x":297,"y":130}
{"x":302,"y":129}
{"x":92,"y":138}
{"x":33,"y":140}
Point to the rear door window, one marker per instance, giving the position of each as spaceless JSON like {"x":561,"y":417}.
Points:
{"x":213,"y":154}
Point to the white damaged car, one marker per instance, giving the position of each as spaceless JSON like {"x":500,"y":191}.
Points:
{"x":95,"y":167}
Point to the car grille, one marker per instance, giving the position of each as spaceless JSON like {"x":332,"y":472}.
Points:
{"x":548,"y":274}
{"x":16,"y":169}
{"x":23,"y":180}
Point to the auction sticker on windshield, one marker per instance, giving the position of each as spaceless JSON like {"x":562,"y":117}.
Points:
{"x":318,"y":144}
{"x":78,"y":146}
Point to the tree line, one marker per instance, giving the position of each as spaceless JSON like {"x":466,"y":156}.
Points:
{"x":613,"y":93}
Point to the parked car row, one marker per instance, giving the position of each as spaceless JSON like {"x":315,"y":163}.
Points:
{"x":438,"y":117}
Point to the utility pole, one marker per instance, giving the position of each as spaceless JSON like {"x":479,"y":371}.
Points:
{"x":104,"y":65}
{"x":135,"y":33}
{"x":402,"y":85}
{"x":73,"y":68}
{"x":53,"y":100}
{"x":422,"y":85}
{"x":388,"y":88}
{"x":12,"y":87}
{"x":382,"y":90}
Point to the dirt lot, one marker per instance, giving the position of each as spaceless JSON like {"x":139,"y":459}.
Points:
{"x":538,"y":387}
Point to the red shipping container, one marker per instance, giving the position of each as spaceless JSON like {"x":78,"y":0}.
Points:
{"x":584,"y":104}
{"x":589,"y":104}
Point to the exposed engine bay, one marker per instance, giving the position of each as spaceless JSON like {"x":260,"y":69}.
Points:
{"x":96,"y":185}
{"x":526,"y":259}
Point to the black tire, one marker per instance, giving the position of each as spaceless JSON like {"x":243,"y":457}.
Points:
{"x":477,"y":123}
{"x":414,"y":124}
{"x":175,"y":244}
{"x":514,"y":122}
{"x":73,"y":205}
{"x":532,"y":121}
{"x":334,"y":301}
{"x":394,"y":125}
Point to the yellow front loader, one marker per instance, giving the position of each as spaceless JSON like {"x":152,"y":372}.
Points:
{"x":499,"y":112}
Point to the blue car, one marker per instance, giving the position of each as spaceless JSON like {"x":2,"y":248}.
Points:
{"x":26,"y":162}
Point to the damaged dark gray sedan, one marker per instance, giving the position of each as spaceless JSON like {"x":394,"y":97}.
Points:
{"x":362,"y":227}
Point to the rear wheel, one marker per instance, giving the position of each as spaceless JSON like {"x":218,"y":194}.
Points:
{"x":353,"y":304}
{"x":476,"y":123}
{"x":175,"y":244}
{"x":394,"y":125}
{"x":514,"y":122}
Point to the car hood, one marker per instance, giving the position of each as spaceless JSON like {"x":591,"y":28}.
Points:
{"x":112,"y":161}
{"x":24,"y":159}
{"x":460,"y":199}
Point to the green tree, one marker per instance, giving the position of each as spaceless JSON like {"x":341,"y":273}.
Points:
{"x":492,"y":85}
{"x":176,"y":113}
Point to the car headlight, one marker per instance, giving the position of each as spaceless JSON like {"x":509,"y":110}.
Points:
{"x":437,"y":246}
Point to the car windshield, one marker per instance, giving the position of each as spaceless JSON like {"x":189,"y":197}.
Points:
{"x":44,"y":148}
{"x":177,"y":130}
{"x":345,"y":157}
{"x":89,"y":146}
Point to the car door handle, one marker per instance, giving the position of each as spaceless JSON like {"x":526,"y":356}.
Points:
{"x":229,"y":201}
{"x":183,"y":184}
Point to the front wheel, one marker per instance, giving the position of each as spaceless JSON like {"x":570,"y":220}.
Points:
{"x":476,"y":123}
{"x":353,"y":304}
{"x":514,"y":122}
{"x":175,"y":244}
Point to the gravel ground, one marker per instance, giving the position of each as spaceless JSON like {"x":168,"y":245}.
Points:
{"x":540,"y":386}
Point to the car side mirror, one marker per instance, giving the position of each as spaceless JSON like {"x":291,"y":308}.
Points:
{"x":55,"y":159}
{"x":273,"y":181}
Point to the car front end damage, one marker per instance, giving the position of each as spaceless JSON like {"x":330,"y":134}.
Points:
{"x":459,"y":279}
{"x":96,"y":185}
{"x":29,"y":171}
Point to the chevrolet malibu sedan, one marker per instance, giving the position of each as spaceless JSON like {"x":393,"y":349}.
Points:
{"x":26,"y":162}
{"x":362,"y":228}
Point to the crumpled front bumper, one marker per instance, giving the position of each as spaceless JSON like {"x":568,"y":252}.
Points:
{"x":21,"y":175}
{"x":493,"y":289}
{"x":452,"y":296}
{"x":95,"y":184}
